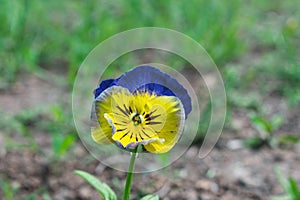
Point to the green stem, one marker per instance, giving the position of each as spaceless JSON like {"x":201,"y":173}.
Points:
{"x":130,"y":172}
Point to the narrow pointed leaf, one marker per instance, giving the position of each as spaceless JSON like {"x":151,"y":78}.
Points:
{"x":104,"y":190}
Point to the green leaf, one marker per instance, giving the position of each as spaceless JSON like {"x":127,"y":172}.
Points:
{"x":293,"y":189}
{"x":262,"y":125}
{"x":286,"y":139}
{"x":150,"y":197}
{"x":289,"y":185}
{"x":254,"y":142}
{"x":283,"y":182}
{"x":8,"y":190}
{"x":104,"y":190}
{"x":66,"y":144}
{"x":5,"y":187}
{"x":61,"y":144}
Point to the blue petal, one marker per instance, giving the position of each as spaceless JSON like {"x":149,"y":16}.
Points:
{"x":151,"y":79}
{"x":103,"y":86}
{"x":158,"y":89}
{"x":142,"y":76}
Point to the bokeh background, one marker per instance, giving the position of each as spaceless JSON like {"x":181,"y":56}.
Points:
{"x":255,"y":44}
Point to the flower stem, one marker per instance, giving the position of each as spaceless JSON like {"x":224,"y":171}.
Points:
{"x":130,"y":173}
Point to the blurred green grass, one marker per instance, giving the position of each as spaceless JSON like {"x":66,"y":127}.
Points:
{"x":37,"y":35}
{"x":255,"y":44}
{"x":56,"y":36}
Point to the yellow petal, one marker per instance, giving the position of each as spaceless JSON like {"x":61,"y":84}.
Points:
{"x":170,"y":111}
{"x":105,"y":103}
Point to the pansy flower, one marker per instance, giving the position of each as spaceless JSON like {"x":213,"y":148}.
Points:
{"x":142,"y":107}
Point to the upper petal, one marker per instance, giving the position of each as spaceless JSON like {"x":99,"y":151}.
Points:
{"x":103,"y":86}
{"x":153,"y":79}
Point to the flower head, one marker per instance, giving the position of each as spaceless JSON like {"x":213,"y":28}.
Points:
{"x":143,"y":106}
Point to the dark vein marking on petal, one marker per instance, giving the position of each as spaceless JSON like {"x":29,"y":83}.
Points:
{"x":154,"y":117}
{"x":121,"y":129}
{"x":151,"y":118}
{"x":126,"y":109}
{"x":153,"y":112}
{"x":141,"y":136}
{"x":136,"y":138}
{"x":124,"y":135}
{"x":123,"y":111}
{"x":119,"y":124}
{"x":130,"y":110}
{"x":145,"y":133}
{"x":152,"y":123}
{"x":131,"y":135}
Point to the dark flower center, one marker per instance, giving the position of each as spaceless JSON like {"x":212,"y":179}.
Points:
{"x":136,"y":119}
